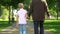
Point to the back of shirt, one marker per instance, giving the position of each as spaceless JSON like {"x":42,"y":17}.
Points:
{"x":22,"y":16}
{"x":38,"y":9}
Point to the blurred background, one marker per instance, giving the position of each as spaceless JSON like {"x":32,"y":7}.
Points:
{"x":9,"y":8}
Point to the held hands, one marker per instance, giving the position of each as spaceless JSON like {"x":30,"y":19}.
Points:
{"x":28,"y":17}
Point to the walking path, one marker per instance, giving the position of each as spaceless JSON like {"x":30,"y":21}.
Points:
{"x":30,"y":30}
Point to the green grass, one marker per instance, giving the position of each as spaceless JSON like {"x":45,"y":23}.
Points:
{"x":52,"y":26}
{"x":4,"y":24}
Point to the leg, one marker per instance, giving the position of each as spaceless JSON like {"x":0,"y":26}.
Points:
{"x":24,"y":28}
{"x":35,"y":27}
{"x":20,"y":29}
{"x":41,"y":27}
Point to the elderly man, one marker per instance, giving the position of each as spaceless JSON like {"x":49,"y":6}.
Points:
{"x":38,"y":9}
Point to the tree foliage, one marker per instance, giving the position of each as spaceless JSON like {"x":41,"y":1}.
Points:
{"x":51,"y":4}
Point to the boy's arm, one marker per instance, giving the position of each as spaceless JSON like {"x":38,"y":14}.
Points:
{"x":26,"y":15}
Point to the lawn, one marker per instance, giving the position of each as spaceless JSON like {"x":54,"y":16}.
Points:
{"x":3,"y":25}
{"x":52,"y":26}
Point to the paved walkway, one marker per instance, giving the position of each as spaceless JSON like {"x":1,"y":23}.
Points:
{"x":30,"y":30}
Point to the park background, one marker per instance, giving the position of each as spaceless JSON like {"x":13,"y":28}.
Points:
{"x":8,"y":9}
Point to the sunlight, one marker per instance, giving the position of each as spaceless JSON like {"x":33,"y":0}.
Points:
{"x":51,"y":30}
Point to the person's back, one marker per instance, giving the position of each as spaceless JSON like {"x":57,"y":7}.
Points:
{"x":38,"y":9}
{"x":22,"y":16}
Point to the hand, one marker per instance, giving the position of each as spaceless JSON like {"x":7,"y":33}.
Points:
{"x":28,"y":18}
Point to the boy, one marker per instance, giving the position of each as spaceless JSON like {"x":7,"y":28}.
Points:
{"x":21,"y":18}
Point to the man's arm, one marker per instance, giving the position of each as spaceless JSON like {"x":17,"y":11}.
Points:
{"x":47,"y":10}
{"x":30,"y":10}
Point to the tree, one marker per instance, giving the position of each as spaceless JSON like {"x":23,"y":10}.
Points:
{"x":58,"y":8}
{"x":53,"y":7}
{"x":0,"y":10}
